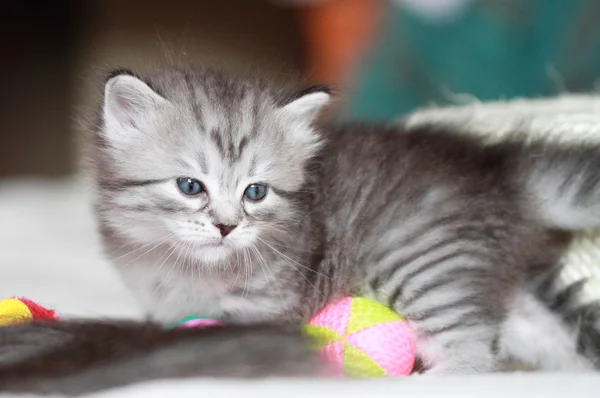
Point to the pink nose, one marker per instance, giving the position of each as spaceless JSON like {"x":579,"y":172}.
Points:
{"x":225,"y":229}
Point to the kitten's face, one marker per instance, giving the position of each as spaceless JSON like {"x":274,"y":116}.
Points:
{"x":209,"y":169}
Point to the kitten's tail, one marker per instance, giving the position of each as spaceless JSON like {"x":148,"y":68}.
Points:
{"x":563,"y":182}
{"x":580,"y":315}
{"x":80,"y":357}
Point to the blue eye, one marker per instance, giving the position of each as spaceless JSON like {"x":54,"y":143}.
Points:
{"x":190,"y":186}
{"x":255,"y":192}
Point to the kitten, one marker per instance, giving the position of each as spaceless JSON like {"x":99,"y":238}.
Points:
{"x":220,"y":196}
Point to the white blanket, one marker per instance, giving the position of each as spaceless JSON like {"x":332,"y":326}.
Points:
{"x":50,"y":251}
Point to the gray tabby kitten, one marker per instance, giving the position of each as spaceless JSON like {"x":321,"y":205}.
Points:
{"x":219,"y":196}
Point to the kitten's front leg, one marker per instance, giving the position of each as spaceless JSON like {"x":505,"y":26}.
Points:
{"x":455,"y":321}
{"x":466,"y":352}
{"x":453,"y":336}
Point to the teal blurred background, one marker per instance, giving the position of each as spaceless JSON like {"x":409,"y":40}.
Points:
{"x":488,"y":50}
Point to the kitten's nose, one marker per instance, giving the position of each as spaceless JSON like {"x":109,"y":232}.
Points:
{"x":225,"y":229}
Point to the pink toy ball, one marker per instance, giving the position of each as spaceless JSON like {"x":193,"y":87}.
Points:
{"x":197,"y":322}
{"x":363,"y":338}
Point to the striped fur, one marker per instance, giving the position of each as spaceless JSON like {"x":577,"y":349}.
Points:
{"x":580,"y":317}
{"x":434,"y":223}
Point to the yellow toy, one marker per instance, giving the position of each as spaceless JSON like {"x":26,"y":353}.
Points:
{"x":18,"y":310}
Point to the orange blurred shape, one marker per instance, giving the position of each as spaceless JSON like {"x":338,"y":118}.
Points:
{"x":336,"y":32}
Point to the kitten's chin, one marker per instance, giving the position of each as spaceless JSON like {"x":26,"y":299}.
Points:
{"x":210,"y":253}
{"x":218,"y":251}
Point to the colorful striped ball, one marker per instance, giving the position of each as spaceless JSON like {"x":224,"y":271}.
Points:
{"x":363,"y":338}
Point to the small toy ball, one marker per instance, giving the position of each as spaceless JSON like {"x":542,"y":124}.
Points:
{"x":196,"y":321}
{"x":365,"y":338}
{"x":19,"y":310}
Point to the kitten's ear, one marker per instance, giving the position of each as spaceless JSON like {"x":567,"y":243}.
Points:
{"x":126,"y":98}
{"x":307,"y":103}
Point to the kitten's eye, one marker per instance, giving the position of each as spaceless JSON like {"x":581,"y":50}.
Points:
{"x":255,"y":192}
{"x":190,"y":186}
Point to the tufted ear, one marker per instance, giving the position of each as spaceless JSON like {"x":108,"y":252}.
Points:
{"x":127,"y":98}
{"x":306,"y":104}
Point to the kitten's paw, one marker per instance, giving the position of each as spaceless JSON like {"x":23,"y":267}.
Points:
{"x":473,"y":358}
{"x":466,"y":350}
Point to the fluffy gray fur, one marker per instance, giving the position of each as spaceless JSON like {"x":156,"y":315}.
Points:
{"x":75,"y":358}
{"x":444,"y":229}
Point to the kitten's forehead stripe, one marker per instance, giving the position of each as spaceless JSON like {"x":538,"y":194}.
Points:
{"x":216,"y":137}
{"x":231,"y":154}
{"x":201,"y":158}
{"x":255,"y":118}
{"x":242,"y":145}
{"x":194,"y":100}
{"x":182,"y":163}
{"x":121,"y":185}
{"x":253,"y":165}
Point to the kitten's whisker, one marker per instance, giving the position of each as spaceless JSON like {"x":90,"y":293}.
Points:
{"x":274,"y":228}
{"x":243,"y":269}
{"x":189,"y":266}
{"x":251,"y":267}
{"x":190,"y":260}
{"x":269,"y":243}
{"x":171,"y":268}
{"x":307,"y":214}
{"x":167,"y":256}
{"x":278,"y":245}
{"x":230,"y":264}
{"x":264,"y":266}
{"x":162,"y":239}
{"x":237,"y":267}
{"x":179,"y":249}
{"x":161,"y":282}
{"x":149,"y":250}
{"x":292,"y":264}
{"x":247,"y":266}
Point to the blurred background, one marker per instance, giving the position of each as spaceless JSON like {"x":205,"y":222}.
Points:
{"x":385,"y":58}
